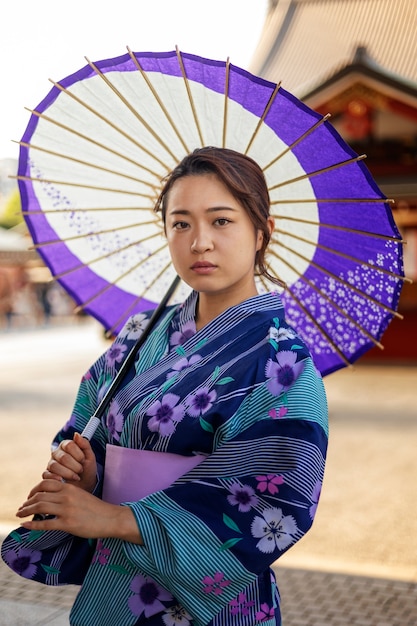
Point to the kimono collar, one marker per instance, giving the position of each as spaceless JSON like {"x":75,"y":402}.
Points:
{"x":186,"y":312}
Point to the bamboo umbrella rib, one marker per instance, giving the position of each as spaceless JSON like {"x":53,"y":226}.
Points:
{"x":81,"y":266}
{"x":226,"y":102}
{"x":332,"y":303}
{"x":262,"y":118}
{"x":93,"y":142}
{"x":132,"y":109}
{"x":127,"y":311}
{"x":88,"y":164}
{"x":342,"y":281}
{"x":319,"y":328}
{"x":158,"y":99}
{"x":323,"y":170}
{"x":341,"y":228}
{"x":98,"y":232}
{"x":114,"y":283}
{"x":340,"y":254}
{"x":297,"y":141}
{"x":111,"y":124}
{"x":72,"y":184}
{"x":190,"y":95}
{"x":334,"y":200}
{"x":88,"y":210}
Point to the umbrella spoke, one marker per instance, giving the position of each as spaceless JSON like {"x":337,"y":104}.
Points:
{"x":88,"y":209}
{"x":132,"y":109}
{"x":92,"y":141}
{"x":190,"y":95}
{"x":226,"y":102}
{"x":344,"y":255}
{"x":158,"y":99}
{"x":81,"y":266}
{"x":262,"y":119}
{"x":104,"y":231}
{"x":346,"y":229}
{"x":340,"y":280}
{"x":332,"y":303}
{"x":82,"y":186}
{"x":106,"y":120}
{"x":319,"y":328}
{"x":323,"y":170}
{"x":88,"y":164}
{"x":297,"y":141}
{"x":132,"y":306}
{"x":114,"y":283}
{"x":334,"y":200}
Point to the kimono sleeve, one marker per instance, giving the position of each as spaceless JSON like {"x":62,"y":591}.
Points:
{"x":215,"y":530}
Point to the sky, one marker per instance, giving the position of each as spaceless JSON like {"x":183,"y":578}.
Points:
{"x":50,"y":39}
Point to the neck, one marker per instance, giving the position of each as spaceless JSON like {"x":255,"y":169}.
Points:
{"x":210,"y":306}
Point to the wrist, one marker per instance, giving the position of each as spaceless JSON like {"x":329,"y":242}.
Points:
{"x":125,"y":525}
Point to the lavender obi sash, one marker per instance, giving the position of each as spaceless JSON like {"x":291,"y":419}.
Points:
{"x":131,"y":474}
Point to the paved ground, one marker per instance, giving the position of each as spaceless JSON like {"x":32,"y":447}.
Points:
{"x":358,"y":566}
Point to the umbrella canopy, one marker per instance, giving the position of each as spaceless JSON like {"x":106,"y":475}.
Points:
{"x":98,"y":146}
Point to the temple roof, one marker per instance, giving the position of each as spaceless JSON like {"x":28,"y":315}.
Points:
{"x":306,"y":42}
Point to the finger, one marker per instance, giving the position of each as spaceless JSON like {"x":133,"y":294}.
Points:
{"x":66,"y":461}
{"x":51,"y":476}
{"x":85,"y":446}
{"x":73,"y":449}
{"x":46,"y":486}
{"x":41,"y":503}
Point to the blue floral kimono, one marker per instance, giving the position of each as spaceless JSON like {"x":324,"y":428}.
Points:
{"x":244,"y":392}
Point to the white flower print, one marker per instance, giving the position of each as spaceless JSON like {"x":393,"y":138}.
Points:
{"x":176,"y":615}
{"x":134,"y":326}
{"x":281,"y":334}
{"x":274,"y":530}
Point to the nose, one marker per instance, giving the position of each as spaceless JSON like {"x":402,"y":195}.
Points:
{"x":202,"y":242}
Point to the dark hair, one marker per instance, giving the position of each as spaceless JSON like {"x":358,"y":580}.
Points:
{"x":244,"y":179}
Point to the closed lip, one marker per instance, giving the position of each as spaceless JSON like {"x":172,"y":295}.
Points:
{"x":202,"y":265}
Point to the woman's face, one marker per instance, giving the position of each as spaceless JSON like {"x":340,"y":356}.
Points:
{"x":211,"y":238}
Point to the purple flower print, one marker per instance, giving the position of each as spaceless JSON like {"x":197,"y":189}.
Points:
{"x":274,"y":530}
{"x":147,"y":596}
{"x":165,"y":414}
{"x":200,"y":402}
{"x":102,"y":554}
{"x":176,"y":615}
{"x":23,"y":561}
{"x":315,"y":497}
{"x":265,"y":614}
{"x":134,"y":326}
{"x":216,"y":584}
{"x":115,"y":354}
{"x":114,"y":420}
{"x":243,"y":496}
{"x":70,"y":423}
{"x":183,"y":363}
{"x":240,"y":605}
{"x":269,"y":483}
{"x":284,"y":372}
{"x":180,"y":336}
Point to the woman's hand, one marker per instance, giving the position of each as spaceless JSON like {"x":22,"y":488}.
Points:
{"x":73,"y":462}
{"x":77,"y":512}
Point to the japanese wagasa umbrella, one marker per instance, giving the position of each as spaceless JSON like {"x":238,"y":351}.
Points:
{"x":98,"y":146}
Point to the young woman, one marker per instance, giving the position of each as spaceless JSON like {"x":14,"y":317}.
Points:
{"x":224,"y":383}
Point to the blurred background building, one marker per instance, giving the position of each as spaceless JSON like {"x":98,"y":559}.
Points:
{"x":357,"y":60}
